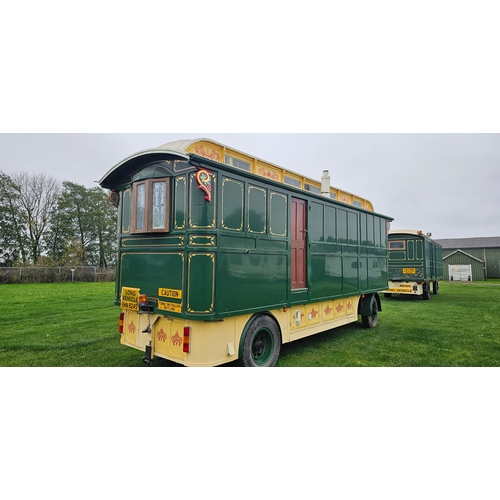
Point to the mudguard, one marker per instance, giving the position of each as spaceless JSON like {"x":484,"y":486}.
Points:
{"x":364,"y":307}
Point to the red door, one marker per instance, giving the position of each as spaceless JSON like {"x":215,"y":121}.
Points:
{"x":298,"y":243}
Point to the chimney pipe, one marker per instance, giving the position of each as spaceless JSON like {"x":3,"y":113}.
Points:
{"x":325,"y":184}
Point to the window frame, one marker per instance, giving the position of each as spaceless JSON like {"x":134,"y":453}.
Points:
{"x":397,"y":249}
{"x":148,"y":205}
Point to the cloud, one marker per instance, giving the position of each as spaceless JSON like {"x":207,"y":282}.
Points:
{"x":447,"y":184}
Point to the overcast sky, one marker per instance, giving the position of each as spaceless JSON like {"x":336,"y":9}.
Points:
{"x":300,"y":89}
{"x":445,"y":184}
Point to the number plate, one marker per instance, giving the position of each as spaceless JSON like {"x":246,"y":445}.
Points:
{"x":409,"y":270}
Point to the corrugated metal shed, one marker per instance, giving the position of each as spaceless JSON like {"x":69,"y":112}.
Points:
{"x":458,"y":257}
{"x":485,"y":248}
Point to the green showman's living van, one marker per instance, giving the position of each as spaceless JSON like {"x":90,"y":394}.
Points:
{"x":415,"y":264}
{"x":223,"y":256}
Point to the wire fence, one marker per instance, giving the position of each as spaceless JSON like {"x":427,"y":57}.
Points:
{"x":55,"y":274}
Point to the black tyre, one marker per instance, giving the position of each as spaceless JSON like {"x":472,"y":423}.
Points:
{"x":262,"y":342}
{"x":371,"y":320}
{"x":427,"y":293}
{"x":435,"y":287}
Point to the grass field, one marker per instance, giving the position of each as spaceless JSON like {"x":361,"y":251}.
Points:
{"x":76,"y":325}
{"x":458,"y":327}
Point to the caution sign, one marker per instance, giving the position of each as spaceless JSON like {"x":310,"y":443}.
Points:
{"x":129,"y":298}
{"x":169,"y":293}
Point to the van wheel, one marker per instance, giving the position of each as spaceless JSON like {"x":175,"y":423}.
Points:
{"x":371,"y":320}
{"x":435,"y":287}
{"x":427,"y":293}
{"x":262,"y":342}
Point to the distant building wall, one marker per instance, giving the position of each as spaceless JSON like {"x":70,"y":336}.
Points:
{"x":460,"y":258}
{"x":486,"y":249}
{"x":492,"y":259}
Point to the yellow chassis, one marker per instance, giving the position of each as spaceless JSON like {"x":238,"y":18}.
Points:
{"x":214,"y":343}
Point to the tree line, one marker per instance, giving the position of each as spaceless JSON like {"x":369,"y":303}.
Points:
{"x":44,"y":222}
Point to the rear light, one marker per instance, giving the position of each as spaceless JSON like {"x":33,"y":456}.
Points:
{"x":120,"y":324}
{"x":186,"y":346}
{"x":144,"y":304}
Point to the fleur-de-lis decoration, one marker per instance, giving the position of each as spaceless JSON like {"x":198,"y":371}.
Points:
{"x":204,"y":180}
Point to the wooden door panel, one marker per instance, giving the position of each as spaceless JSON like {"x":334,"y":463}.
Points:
{"x":298,"y":257}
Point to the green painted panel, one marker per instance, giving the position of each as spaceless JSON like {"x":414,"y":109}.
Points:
{"x":352,"y":228}
{"x":325,"y":276}
{"x":383,"y":233}
{"x":410,"y":250}
{"x":201,"y":211}
{"x":326,"y":248}
{"x":153,"y":241}
{"x":251,"y":281}
{"x":232,"y":204}
{"x":150,"y":271}
{"x":196,"y":240}
{"x":419,"y":250}
{"x":370,"y":237}
{"x":362,"y":224}
{"x":377,"y":272}
{"x":376,"y":231}
{"x":201,"y":281}
{"x":396,"y":272}
{"x":341,"y":226}
{"x":236,"y":242}
{"x":269,"y":245}
{"x":330,"y":224}
{"x":180,"y":203}
{"x":278,"y":208}
{"x":363,"y":273}
{"x":397,"y":255}
{"x":350,"y":275}
{"x":316,"y":222}
{"x":257,"y":210}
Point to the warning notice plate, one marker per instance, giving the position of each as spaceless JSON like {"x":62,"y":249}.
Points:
{"x":129,"y":298}
{"x":169,"y":306}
